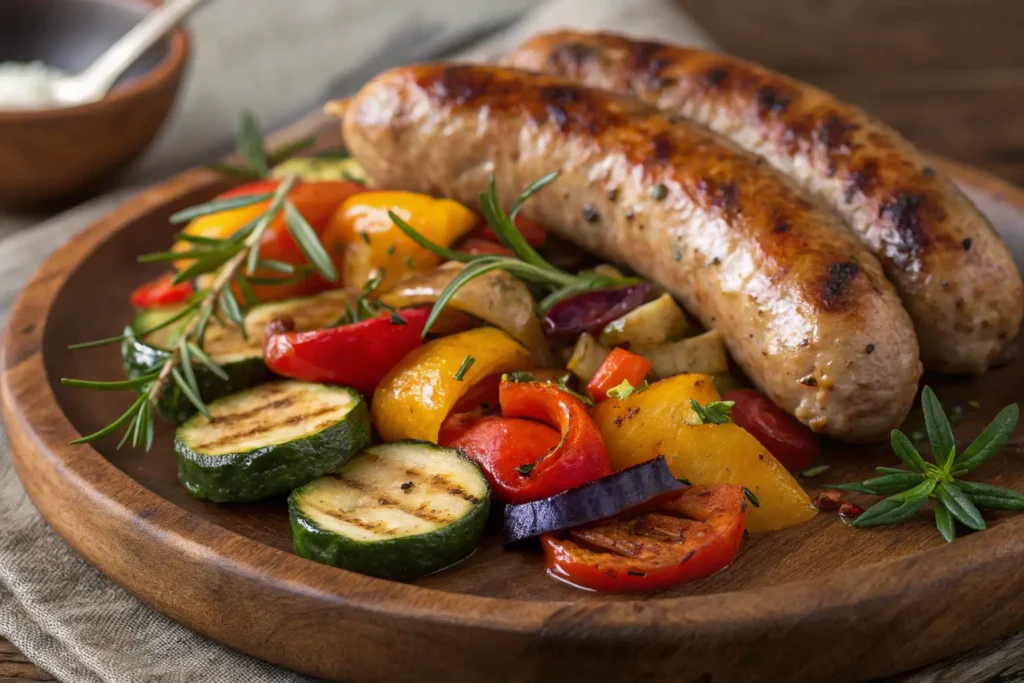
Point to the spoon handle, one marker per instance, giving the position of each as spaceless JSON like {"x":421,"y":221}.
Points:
{"x":102,"y":74}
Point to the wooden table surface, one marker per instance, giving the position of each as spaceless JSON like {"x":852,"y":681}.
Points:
{"x":947,"y":73}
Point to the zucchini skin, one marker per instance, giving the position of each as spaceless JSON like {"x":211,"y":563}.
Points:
{"x":276,"y":469}
{"x":140,"y":358}
{"x":397,"y":559}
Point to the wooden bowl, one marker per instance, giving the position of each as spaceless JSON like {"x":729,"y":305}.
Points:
{"x":52,"y":154}
{"x":820,"y":601}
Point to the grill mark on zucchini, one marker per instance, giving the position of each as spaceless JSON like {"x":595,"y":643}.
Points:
{"x":264,"y":427}
{"x":438,"y":482}
{"x":385,"y":513}
{"x":380,"y":528}
{"x":237,"y":417}
{"x":422,"y":511}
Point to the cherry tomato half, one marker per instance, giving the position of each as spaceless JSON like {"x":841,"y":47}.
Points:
{"x":792,"y":443}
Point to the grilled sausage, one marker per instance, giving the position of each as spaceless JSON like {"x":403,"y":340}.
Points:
{"x":957,"y":279}
{"x":803,"y":307}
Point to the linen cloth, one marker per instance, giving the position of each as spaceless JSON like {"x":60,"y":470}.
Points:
{"x":265,"y":55}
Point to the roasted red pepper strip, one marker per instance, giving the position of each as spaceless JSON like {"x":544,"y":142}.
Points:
{"x":162,"y":292}
{"x":579,"y":456}
{"x":357,"y":355}
{"x":619,"y":366}
{"x":500,"y":445}
{"x":688,"y":538}
{"x":792,"y":444}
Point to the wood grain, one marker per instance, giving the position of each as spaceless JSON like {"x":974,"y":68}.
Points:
{"x":15,"y":668}
{"x":781,"y":610}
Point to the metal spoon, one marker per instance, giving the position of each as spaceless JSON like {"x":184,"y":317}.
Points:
{"x":93,"y":83}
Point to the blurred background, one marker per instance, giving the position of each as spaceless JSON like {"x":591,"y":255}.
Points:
{"x":947,"y":73}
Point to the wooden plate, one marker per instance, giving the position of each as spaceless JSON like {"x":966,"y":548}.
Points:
{"x":817,"y":601}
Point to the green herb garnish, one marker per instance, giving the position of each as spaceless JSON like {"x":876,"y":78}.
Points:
{"x":525,"y":263}
{"x":232,"y":261}
{"x":626,"y":389}
{"x":467,"y":363}
{"x":956,"y":500}
{"x":815,"y":471}
{"x":366,"y":307}
{"x":751,"y":497}
{"x":249,"y":141}
{"x":715,"y":412}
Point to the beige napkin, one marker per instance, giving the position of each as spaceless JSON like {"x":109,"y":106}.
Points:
{"x":63,"y":614}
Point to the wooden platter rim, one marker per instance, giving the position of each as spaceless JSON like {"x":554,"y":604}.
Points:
{"x":40,"y":431}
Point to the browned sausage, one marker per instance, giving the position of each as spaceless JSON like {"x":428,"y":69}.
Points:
{"x":803,"y":307}
{"x":955,"y":276}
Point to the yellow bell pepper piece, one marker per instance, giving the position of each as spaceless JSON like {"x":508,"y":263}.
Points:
{"x":654,"y":422}
{"x":416,"y":396}
{"x":373,"y":244}
{"x":218,"y":226}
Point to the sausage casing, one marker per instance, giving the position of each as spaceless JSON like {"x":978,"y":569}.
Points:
{"x":803,"y":307}
{"x":957,"y":279}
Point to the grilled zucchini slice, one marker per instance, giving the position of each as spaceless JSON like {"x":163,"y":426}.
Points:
{"x":240,"y":358}
{"x":267,"y":440}
{"x":397,"y":511}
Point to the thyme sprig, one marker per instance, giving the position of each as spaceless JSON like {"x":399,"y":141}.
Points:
{"x":525,"y":263}
{"x":230,"y":262}
{"x":956,"y":500}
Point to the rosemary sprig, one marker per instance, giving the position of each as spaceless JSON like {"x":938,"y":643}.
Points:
{"x":956,"y":500}
{"x":525,"y":263}
{"x":366,"y":307}
{"x":249,"y":139}
{"x":233,"y":261}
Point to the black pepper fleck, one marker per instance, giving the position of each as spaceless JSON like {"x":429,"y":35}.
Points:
{"x":659,"y":192}
{"x":809,"y":381}
{"x":966,"y":243}
{"x":869,"y":349}
{"x":715,"y":261}
{"x":406,"y":486}
{"x":590,"y":214}
{"x":928,"y":171}
{"x":782,"y":227}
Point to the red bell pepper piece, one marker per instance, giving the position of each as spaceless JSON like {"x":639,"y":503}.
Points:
{"x":532,"y":231}
{"x":502,"y":446}
{"x":619,"y":366}
{"x":792,"y":443}
{"x":162,"y":292}
{"x":527,"y":468}
{"x":685,"y":539}
{"x":357,"y":355}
